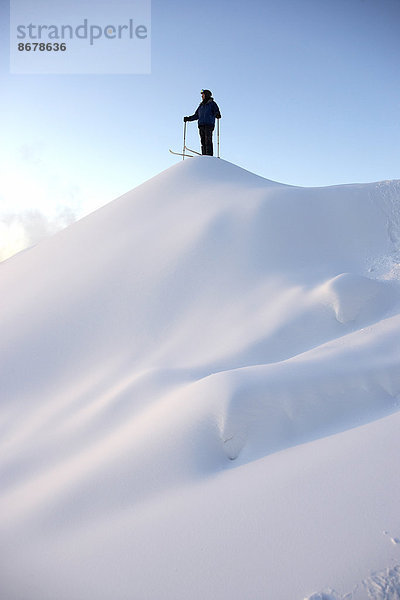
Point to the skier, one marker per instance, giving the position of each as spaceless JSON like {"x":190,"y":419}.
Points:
{"x":205,"y":114}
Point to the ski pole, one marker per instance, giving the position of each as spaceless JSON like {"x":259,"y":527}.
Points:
{"x":218,"y":136}
{"x":184,"y":140}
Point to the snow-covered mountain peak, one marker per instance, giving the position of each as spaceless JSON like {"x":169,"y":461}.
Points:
{"x":207,"y":320}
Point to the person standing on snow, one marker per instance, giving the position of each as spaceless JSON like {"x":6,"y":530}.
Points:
{"x":205,"y":114}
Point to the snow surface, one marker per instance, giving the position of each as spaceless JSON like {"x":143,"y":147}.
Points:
{"x":200,"y":394}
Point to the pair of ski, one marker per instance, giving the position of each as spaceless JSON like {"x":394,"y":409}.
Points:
{"x":184,"y":153}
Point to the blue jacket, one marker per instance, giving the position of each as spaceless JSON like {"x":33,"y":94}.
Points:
{"x":206,"y":113}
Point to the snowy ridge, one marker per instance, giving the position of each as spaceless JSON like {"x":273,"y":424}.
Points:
{"x":207,"y":342}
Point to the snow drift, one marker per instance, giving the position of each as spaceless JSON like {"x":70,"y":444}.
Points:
{"x":200,"y":392}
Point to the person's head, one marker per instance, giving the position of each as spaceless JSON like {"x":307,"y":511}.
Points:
{"x":205,"y":94}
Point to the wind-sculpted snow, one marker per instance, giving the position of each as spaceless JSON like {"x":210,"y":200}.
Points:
{"x":212,"y":353}
{"x":384,"y":585}
{"x":316,"y":393}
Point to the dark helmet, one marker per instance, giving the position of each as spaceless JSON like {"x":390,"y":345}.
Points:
{"x":207,"y":94}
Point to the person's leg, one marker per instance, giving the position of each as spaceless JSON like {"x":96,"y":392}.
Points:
{"x":202,"y":132}
{"x":208,"y":140}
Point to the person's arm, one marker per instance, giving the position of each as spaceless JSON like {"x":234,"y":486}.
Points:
{"x":217,"y":112}
{"x":193,"y":117}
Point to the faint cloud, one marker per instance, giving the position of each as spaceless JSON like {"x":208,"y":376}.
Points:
{"x":36,"y":200}
{"x":25,"y":229}
{"x":38,"y":196}
{"x":31,"y":153}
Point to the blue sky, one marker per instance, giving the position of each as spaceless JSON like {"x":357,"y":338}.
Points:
{"x":309,"y":92}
